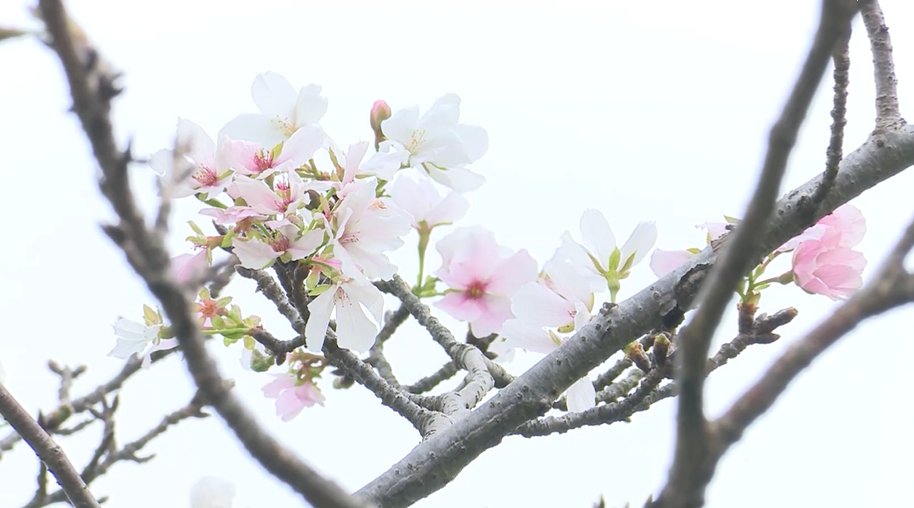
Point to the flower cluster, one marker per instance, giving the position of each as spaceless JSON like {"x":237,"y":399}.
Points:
{"x":261,"y":181}
{"x":498,"y":291}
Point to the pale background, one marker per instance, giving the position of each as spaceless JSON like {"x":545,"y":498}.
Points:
{"x":654,"y":110}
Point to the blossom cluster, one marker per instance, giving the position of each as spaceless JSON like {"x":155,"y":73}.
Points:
{"x":281,"y":190}
{"x":261,"y":182}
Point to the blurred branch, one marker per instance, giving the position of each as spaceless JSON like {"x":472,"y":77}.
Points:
{"x":692,"y":468}
{"x":110,"y":452}
{"x":92,"y":88}
{"x":50,"y":453}
{"x":52,"y":421}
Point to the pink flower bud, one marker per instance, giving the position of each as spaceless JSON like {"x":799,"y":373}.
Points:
{"x":380,"y":111}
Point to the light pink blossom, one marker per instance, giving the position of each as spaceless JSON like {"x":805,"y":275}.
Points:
{"x":292,"y":396}
{"x":665,"y":261}
{"x":197,"y":171}
{"x":847,"y":222}
{"x":259,"y":253}
{"x":254,"y":160}
{"x":364,"y":227}
{"x":187,"y":268}
{"x":825,"y":266}
{"x":483,"y":277}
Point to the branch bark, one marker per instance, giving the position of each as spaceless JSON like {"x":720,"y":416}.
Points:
{"x":50,"y":453}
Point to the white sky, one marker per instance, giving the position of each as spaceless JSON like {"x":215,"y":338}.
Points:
{"x":646,"y":110}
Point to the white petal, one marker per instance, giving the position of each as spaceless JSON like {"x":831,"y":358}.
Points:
{"x":316,"y":327}
{"x":581,"y":396}
{"x":475,"y":140}
{"x":457,"y":178}
{"x":400,"y":126}
{"x":310,"y":106}
{"x":273,"y":94}
{"x":597,"y":235}
{"x":354,"y":330}
{"x":211,"y":492}
{"x":517,"y":333}
{"x":640,"y":242}
{"x":262,"y":129}
{"x":538,"y":306}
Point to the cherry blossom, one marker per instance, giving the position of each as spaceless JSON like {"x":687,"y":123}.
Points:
{"x":383,"y":165}
{"x":186,"y":268}
{"x":286,"y":197}
{"x":260,"y":253}
{"x":292,"y":395}
{"x":282,"y":111}
{"x":209,"y":492}
{"x":826,"y":266}
{"x":602,"y":260}
{"x":425,"y":204}
{"x":350,"y":298}
{"x":201,"y":175}
{"x":437,"y":143}
{"x":364,"y":227}
{"x":546,"y":312}
{"x":140,"y":339}
{"x":252,"y":159}
{"x":483,"y":277}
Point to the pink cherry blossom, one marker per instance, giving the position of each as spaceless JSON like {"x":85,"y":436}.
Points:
{"x":483,"y":277}
{"x":259,"y":253}
{"x":665,"y":261}
{"x":187,"y":268}
{"x":825,"y":266}
{"x":286,"y":197}
{"x":197,"y":171}
{"x":292,"y":396}
{"x":847,"y":222}
{"x":254,"y":160}
{"x":364,"y":227}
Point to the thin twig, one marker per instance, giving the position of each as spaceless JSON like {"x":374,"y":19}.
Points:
{"x":835,"y":150}
{"x":888,"y":114}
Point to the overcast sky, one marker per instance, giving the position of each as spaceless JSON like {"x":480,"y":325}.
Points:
{"x":654,"y":110}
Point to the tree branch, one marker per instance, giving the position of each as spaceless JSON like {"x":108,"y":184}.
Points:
{"x":91,"y":88}
{"x":50,"y":453}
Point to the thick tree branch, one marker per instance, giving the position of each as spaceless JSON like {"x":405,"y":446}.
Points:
{"x":50,"y":453}
{"x":437,"y":460}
